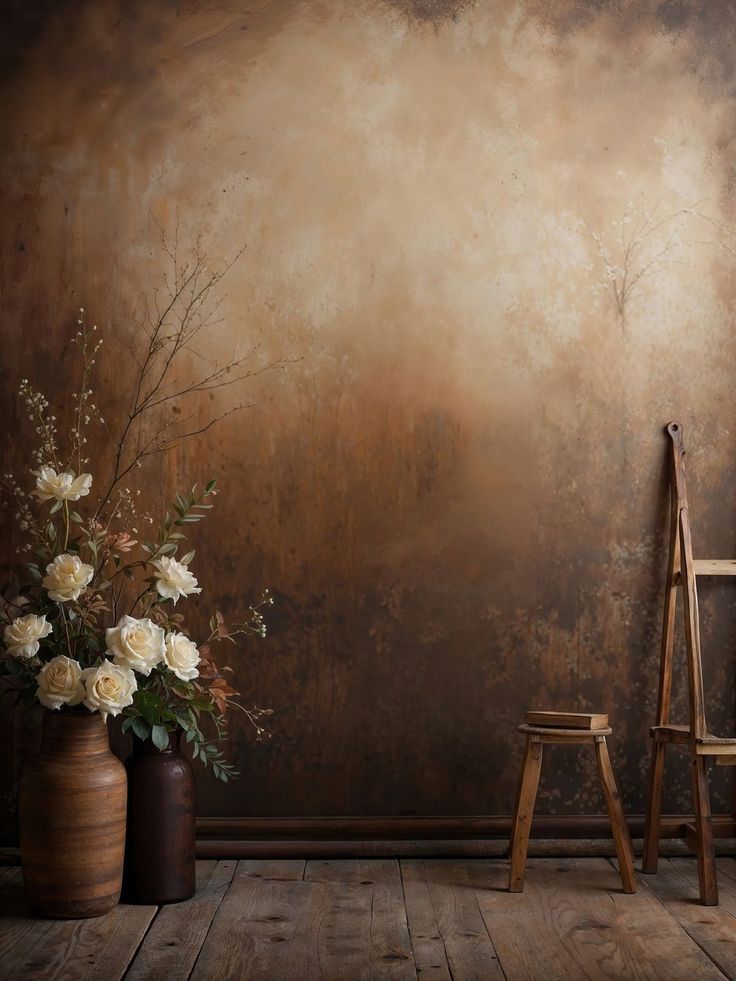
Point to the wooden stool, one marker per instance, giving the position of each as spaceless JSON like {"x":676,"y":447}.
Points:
{"x":536,"y":737}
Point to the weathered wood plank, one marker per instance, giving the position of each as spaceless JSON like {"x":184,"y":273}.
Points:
{"x":430,"y":957}
{"x":469,"y":951}
{"x":265,"y":926}
{"x":573,"y":923}
{"x":363,"y":933}
{"x":172,"y":944}
{"x":98,"y":949}
{"x":713,"y":928}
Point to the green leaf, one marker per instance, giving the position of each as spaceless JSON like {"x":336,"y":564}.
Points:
{"x":76,"y":516}
{"x":51,"y":530}
{"x":160,"y":738}
{"x":148,"y":705}
{"x":56,"y":506}
{"x":141,"y":728}
{"x":210,"y":487}
{"x":186,"y":559}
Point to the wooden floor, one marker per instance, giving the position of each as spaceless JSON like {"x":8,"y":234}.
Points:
{"x":399,"y":920}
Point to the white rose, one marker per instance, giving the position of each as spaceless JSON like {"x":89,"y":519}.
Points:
{"x":136,"y":644}
{"x":60,"y":683}
{"x":109,"y":688}
{"x":182,"y":656}
{"x":63,"y":486}
{"x":66,"y":577}
{"x":173,"y":579}
{"x":23,"y":634}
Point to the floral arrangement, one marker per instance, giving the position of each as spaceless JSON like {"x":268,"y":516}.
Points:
{"x":93,"y":626}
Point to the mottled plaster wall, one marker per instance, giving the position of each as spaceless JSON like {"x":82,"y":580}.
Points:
{"x":499,"y":239}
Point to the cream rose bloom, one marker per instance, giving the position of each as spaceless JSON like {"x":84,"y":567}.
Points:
{"x":182,"y":656}
{"x":60,"y":683}
{"x":22,"y":636}
{"x":173,"y":579}
{"x":109,"y":688}
{"x":66,"y":577}
{"x":62,"y":486}
{"x":136,"y":644}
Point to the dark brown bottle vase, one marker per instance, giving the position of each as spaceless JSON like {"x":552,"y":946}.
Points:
{"x":159,"y":848}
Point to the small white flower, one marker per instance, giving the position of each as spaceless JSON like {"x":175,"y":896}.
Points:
{"x":173,"y":579}
{"x":66,"y":578}
{"x":60,"y":683}
{"x":22,"y":636}
{"x":62,"y":486}
{"x":136,"y":644}
{"x":182,"y":656}
{"x":109,"y":688}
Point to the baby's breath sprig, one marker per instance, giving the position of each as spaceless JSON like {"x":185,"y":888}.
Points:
{"x":46,"y":453}
{"x":89,"y":343}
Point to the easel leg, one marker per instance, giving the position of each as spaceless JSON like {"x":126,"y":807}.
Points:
{"x":524,"y":811}
{"x":619,"y":828}
{"x":652,"y":831}
{"x":704,"y":832}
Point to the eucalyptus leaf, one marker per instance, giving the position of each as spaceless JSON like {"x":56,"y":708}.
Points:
{"x":141,"y":728}
{"x":160,"y":737}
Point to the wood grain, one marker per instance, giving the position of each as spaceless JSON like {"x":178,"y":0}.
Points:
{"x":436,"y":920}
{"x":172,"y":944}
{"x":446,"y":891}
{"x":98,"y":949}
{"x":72,"y":809}
{"x":573,"y":923}
{"x":527,"y":793}
{"x":616,"y":813}
{"x":265,"y":926}
{"x":364,"y":931}
{"x":567,"y":720}
{"x":714,"y":930}
{"x":430,"y":956}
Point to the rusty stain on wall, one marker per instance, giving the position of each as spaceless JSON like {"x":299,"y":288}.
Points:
{"x":457,"y":492}
{"x":431,"y":11}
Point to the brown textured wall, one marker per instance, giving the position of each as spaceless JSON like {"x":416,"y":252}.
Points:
{"x":457,"y":493}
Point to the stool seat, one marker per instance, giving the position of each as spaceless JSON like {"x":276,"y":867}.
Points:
{"x":557,"y":734}
{"x":536,"y":737}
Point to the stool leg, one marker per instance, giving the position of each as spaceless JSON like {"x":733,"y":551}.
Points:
{"x":704,"y":832}
{"x":654,"y":808}
{"x":524,"y":812}
{"x":620,"y":831}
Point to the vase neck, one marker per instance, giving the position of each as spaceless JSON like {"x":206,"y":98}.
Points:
{"x":146,"y":745}
{"x":74,"y":735}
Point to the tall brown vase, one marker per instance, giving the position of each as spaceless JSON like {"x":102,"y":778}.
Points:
{"x":72,"y":819}
{"x":159,"y":854}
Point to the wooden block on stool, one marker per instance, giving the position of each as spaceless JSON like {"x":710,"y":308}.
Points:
{"x":568,"y":720}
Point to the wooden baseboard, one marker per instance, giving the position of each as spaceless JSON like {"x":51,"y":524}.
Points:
{"x":468,"y":836}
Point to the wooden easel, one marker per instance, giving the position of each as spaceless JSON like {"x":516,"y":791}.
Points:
{"x":682,"y":573}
